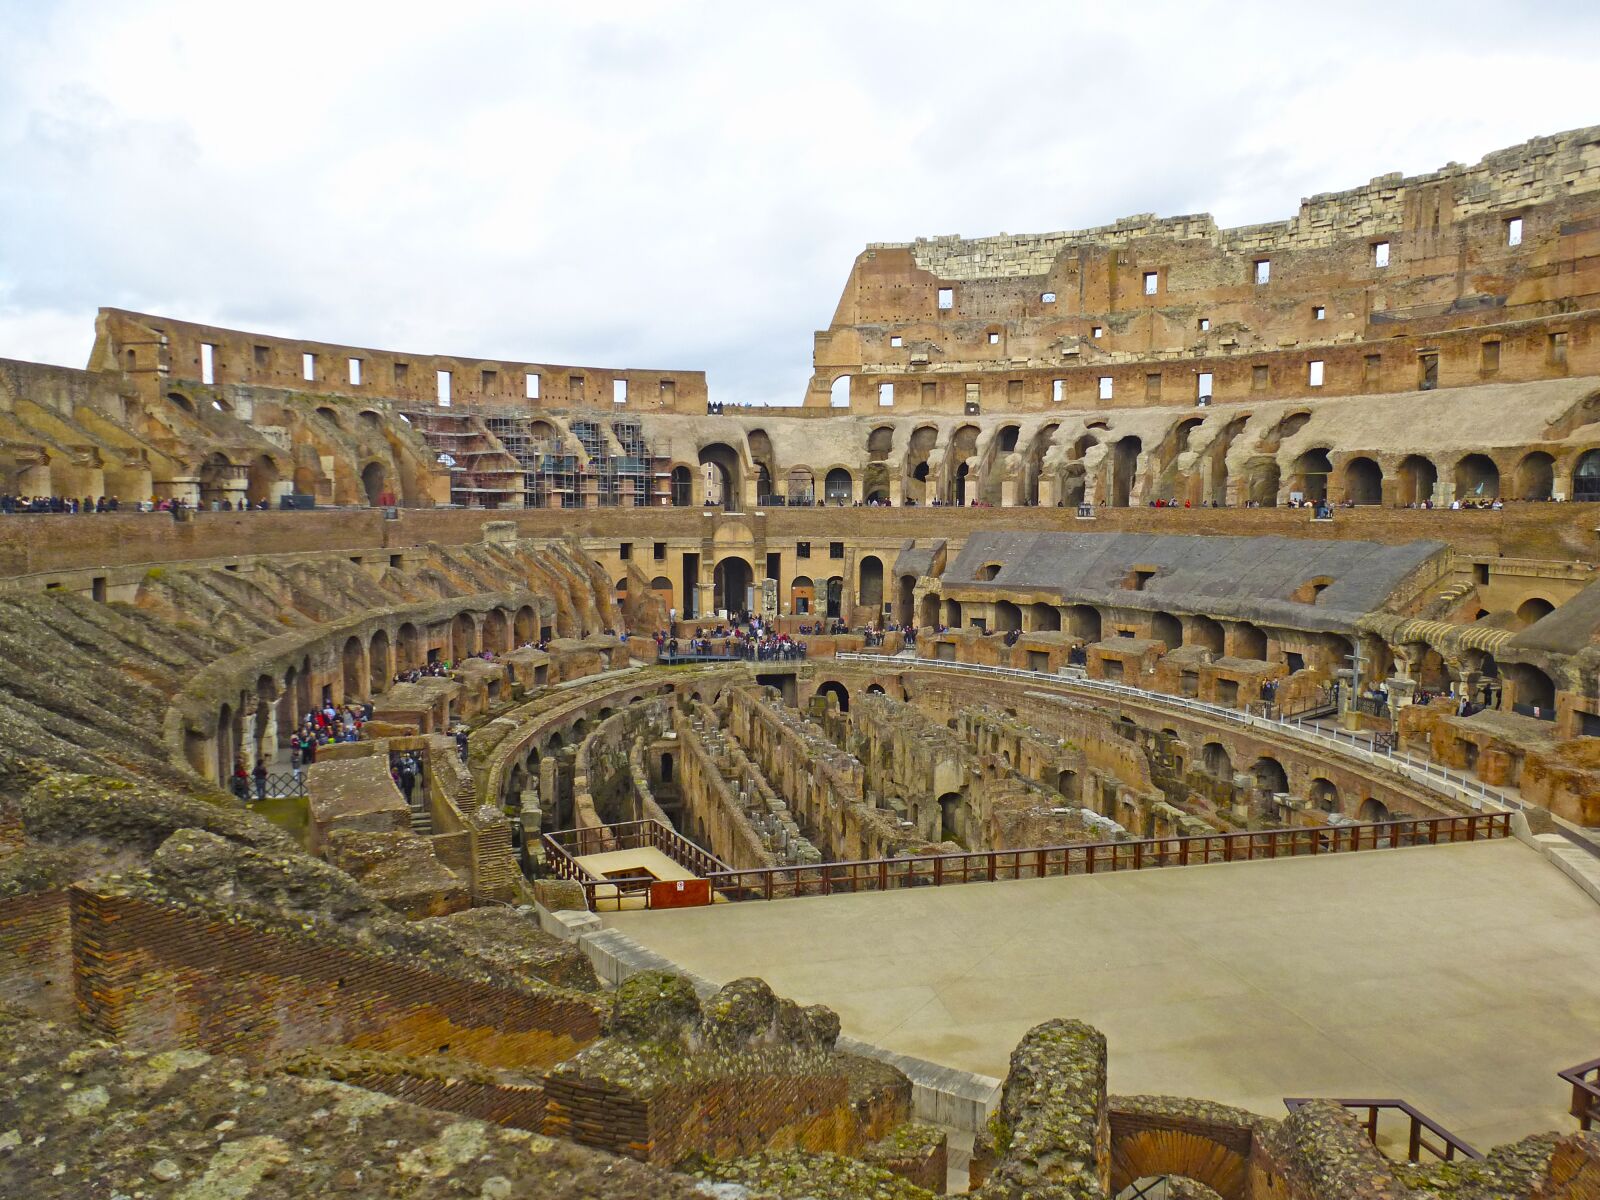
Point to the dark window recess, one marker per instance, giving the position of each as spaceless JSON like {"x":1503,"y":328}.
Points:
{"x":835,"y":549}
{"x":802,"y":549}
{"x":661,"y":551}
{"x":625,"y":551}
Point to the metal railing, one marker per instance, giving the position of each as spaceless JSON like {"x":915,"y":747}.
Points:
{"x":1419,"y":770}
{"x":278,"y":785}
{"x":1585,"y":1081}
{"x":1446,"y":1148}
{"x":992,"y":866}
{"x":564,"y":847}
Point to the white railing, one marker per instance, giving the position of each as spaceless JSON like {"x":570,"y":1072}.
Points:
{"x":1419,"y":770}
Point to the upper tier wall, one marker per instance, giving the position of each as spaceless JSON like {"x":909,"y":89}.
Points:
{"x":156,"y":351}
{"x":1423,"y":265}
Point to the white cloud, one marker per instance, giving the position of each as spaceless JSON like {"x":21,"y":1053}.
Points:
{"x":682,"y":185}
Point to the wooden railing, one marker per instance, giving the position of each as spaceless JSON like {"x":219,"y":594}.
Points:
{"x":988,"y":866}
{"x":1445,"y":1148}
{"x":564,"y":847}
{"x":1585,"y":1081}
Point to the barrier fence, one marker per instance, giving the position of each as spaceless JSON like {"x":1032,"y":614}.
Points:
{"x":1445,"y":1147}
{"x":990,"y":866}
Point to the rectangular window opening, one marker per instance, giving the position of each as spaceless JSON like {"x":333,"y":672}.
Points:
{"x":402,"y":372}
{"x":660,"y":551}
{"x":994,"y":339}
{"x":263,"y":356}
{"x":802,"y":549}
{"x":1097,"y":331}
{"x":1152,"y":385}
{"x":208,"y":363}
{"x":1514,"y":231}
{"x":1558,"y":349}
{"x":1202,"y":387}
{"x":354,"y":366}
{"x":1428,"y":376}
{"x":1263,"y":270}
{"x":530,"y":385}
{"x":619,"y":391}
{"x":1319,"y":313}
{"x":897,"y":341}
{"x":1380,"y":254}
{"x":1205,"y":324}
{"x":1489,"y":357}
{"x":886,"y":395}
{"x":947,"y":298}
{"x":444,"y":389}
{"x":1152,"y":281}
{"x":1106,"y":386}
{"x":1314,"y":373}
{"x":1374,"y":368}
{"x":835,"y":549}
{"x":487,"y":380}
{"x":308,"y":366}
{"x":1260,"y":377}
{"x":1047,"y":297}
{"x":625,"y":551}
{"x":1058,"y":390}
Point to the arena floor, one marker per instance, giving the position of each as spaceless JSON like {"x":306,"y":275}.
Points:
{"x":1460,"y":978}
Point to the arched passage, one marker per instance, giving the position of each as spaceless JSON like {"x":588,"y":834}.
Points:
{"x":378,"y":663}
{"x":950,"y":817}
{"x":952,"y":614}
{"x":1124,"y":467}
{"x":1532,"y":609}
{"x":1531,"y":690}
{"x":1138,"y":1154}
{"x":408,"y":648}
{"x":1216,"y":762}
{"x":1372,"y":811}
{"x":732,"y":578}
{"x":1586,"y":476}
{"x":1536,"y":476}
{"x":1044,"y":617}
{"x":525,"y":626}
{"x":727,"y":482}
{"x":1164,"y":627}
{"x":1083,"y":621}
{"x":1263,"y":481}
{"x":682,"y":487}
{"x":494,"y":631}
{"x":1203,"y":631}
{"x":1007,"y":616}
{"x":869,"y":575}
{"x":1323,"y":795}
{"x":837,"y":487}
{"x":1311,"y":471}
{"x":802,"y":595}
{"x":354,"y":675}
{"x":1270,"y":775}
{"x":375,"y":483}
{"x":463,"y":636}
{"x":261,"y":480}
{"x":905,"y":593}
{"x":1363,"y":481}
{"x":838,"y":691}
{"x":1418,"y":477}
{"x":835,"y":597}
{"x":929,"y":614}
{"x":1249,"y":641}
{"x":1477,"y":478}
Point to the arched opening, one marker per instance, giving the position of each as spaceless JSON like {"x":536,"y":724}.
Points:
{"x":463,"y":637}
{"x":1067,"y":784}
{"x":525,"y":626}
{"x":1270,"y":775}
{"x":952,"y":614}
{"x":1083,"y":621}
{"x":260,"y":481}
{"x":724,"y":483}
{"x":1007,"y":617}
{"x":408,"y":648}
{"x":494,"y":631}
{"x":950,"y":817}
{"x":879,"y":443}
{"x":1372,"y":811}
{"x":1532,"y":609}
{"x":1363,"y":481}
{"x":1249,"y":641}
{"x":836,"y":487}
{"x":1533,"y":692}
{"x":1311,"y":471}
{"x":375,"y":482}
{"x":1323,"y":795}
{"x":227,"y":747}
{"x":1203,"y":631}
{"x":1477,"y":478}
{"x":1418,"y":477}
{"x":802,"y":595}
{"x":839,"y":392}
{"x":801,"y":486}
{"x":378,"y":663}
{"x":1045,"y":617}
{"x":1263,"y":482}
{"x":905,"y":597}
{"x":838,"y":691}
{"x":661,"y":589}
{"x":869,"y":573}
{"x":929,"y":615}
{"x":215,"y":472}
{"x":835,"y":596}
{"x":763,"y":484}
{"x":1536,"y":476}
{"x":732,"y":578}
{"x":1215,"y":761}
{"x":1124,"y":468}
{"x":682,"y":487}
{"x":1586,"y":476}
{"x":353,"y":672}
{"x":187,"y":405}
{"x":1164,"y":627}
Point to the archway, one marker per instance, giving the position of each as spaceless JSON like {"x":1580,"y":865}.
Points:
{"x":494,"y":631}
{"x":1263,"y":481}
{"x":1323,"y":795}
{"x":463,"y":636}
{"x":525,"y":626}
{"x":1203,"y":631}
{"x":1586,"y":476}
{"x":408,"y":644}
{"x":838,"y":691}
{"x":1311,"y":471}
{"x":726,"y":487}
{"x":378,"y":663}
{"x":1249,"y":641}
{"x":1216,"y":762}
{"x":802,"y":595}
{"x":682,"y":487}
{"x":869,"y":573}
{"x":1418,"y":477}
{"x":1124,"y":467}
{"x":732,"y":578}
{"x":835,"y":596}
{"x":1532,"y":609}
{"x":1270,"y":775}
{"x":837,"y":487}
{"x":1477,"y":478}
{"x":1007,"y":617}
{"x":930,"y":612}
{"x":1363,"y":481}
{"x":214,"y":475}
{"x":839,"y":392}
{"x":353,"y":672}
{"x":1536,"y":476}
{"x":1044,"y":617}
{"x":1083,"y":621}
{"x":1372,"y":811}
{"x":260,"y":480}
{"x":952,"y":614}
{"x":950,"y":817}
{"x":375,"y":482}
{"x":1150,"y":1154}
{"x":905,"y":595}
{"x":1164,"y":627}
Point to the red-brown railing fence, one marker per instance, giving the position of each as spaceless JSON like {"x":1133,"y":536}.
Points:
{"x":1446,"y":1147}
{"x":1585,"y":1081}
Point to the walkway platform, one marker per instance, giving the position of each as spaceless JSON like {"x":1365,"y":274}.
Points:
{"x":1461,"y":977}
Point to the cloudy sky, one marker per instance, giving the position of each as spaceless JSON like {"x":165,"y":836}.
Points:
{"x":684,"y":185}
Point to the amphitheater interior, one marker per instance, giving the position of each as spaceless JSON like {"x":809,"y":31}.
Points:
{"x":1140,"y":707}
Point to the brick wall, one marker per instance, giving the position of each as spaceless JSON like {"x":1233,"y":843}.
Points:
{"x":36,"y":953}
{"x":155,"y":975}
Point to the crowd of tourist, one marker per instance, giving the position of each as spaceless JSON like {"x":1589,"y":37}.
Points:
{"x":58,"y":504}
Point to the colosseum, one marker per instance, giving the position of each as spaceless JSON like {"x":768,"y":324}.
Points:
{"x":1130,"y":729}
